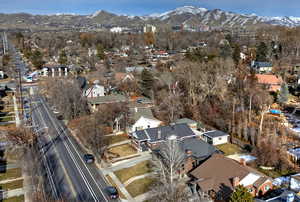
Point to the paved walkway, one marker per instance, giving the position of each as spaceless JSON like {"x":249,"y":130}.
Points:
{"x":119,"y":143}
{"x":137,"y":178}
{"x":130,"y":162}
{"x":10,"y":180}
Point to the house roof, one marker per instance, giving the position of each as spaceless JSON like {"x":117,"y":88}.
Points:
{"x":120,"y":76}
{"x":215,"y":133}
{"x":137,"y":113}
{"x":212,"y":174}
{"x":199,"y":148}
{"x":107,"y":99}
{"x":185,"y":120}
{"x":262,"y":64}
{"x":268,"y":79}
{"x":151,"y":134}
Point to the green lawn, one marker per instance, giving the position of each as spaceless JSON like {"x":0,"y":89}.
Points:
{"x":139,"y":169}
{"x":11,"y":174}
{"x":140,"y":186}
{"x":12,"y":185}
{"x":116,"y":138}
{"x":229,"y":149}
{"x":15,"y":199}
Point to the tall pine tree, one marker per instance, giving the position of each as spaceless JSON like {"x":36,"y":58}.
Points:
{"x":261,"y":52}
{"x":147,"y":82}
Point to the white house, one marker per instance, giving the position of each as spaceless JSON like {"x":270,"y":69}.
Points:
{"x":295,"y":182}
{"x":143,"y":119}
{"x":215,"y":137}
{"x":144,"y":123}
{"x":95,"y":91}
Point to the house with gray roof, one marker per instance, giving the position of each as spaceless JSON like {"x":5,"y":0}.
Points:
{"x":94,"y":102}
{"x":262,"y":67}
{"x":215,"y":137}
{"x":191,"y":123}
{"x":151,"y":137}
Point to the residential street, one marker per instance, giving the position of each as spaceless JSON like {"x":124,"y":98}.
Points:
{"x":68,"y":175}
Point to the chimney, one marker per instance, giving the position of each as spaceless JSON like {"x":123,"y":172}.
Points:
{"x":188,"y":152}
{"x":236,"y":181}
{"x":243,"y":162}
{"x":159,"y":134}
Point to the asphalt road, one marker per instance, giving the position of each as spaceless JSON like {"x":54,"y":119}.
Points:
{"x":68,"y":175}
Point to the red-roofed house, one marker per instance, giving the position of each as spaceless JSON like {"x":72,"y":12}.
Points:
{"x":271,"y":82}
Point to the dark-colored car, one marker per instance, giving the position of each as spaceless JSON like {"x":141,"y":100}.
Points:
{"x":112,"y":192}
{"x":89,"y":158}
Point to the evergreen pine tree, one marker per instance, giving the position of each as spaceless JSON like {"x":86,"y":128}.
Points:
{"x":100,"y":52}
{"x":63,"y":59}
{"x":147,"y":81}
{"x":241,"y":194}
{"x":261,"y":52}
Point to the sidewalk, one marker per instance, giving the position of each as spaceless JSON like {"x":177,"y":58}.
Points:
{"x":10,"y":180}
{"x":18,"y":122}
{"x":136,"y":178}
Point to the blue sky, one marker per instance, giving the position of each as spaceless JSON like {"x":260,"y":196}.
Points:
{"x":142,"y":7}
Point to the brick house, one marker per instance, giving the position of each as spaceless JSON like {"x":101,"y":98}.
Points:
{"x":218,"y":176}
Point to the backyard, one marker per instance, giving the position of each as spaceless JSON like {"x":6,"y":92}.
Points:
{"x":229,"y":149}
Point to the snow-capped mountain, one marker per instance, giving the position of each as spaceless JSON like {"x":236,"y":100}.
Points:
{"x":190,"y":15}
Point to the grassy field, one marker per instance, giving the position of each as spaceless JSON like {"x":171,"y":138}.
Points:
{"x":140,"y":186}
{"x":11,"y":174}
{"x":123,"y":150}
{"x":12,"y":185}
{"x":113,"y":184}
{"x":139,"y":169}
{"x":116,"y":138}
{"x":15,"y":199}
{"x":229,"y":149}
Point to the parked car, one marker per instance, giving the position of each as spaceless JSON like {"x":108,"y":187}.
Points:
{"x":112,"y":192}
{"x":89,"y":158}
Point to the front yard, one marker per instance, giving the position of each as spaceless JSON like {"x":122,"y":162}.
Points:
{"x":11,"y":174}
{"x":113,"y":139}
{"x":140,"y":186}
{"x":139,"y":169}
{"x":229,"y":149}
{"x":122,"y":150}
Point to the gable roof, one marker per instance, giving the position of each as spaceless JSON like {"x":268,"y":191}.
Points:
{"x":151,"y":134}
{"x":185,"y":120}
{"x":220,"y":171}
{"x":137,"y":113}
{"x":107,"y":99}
{"x":215,"y":133}
{"x":120,"y":76}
